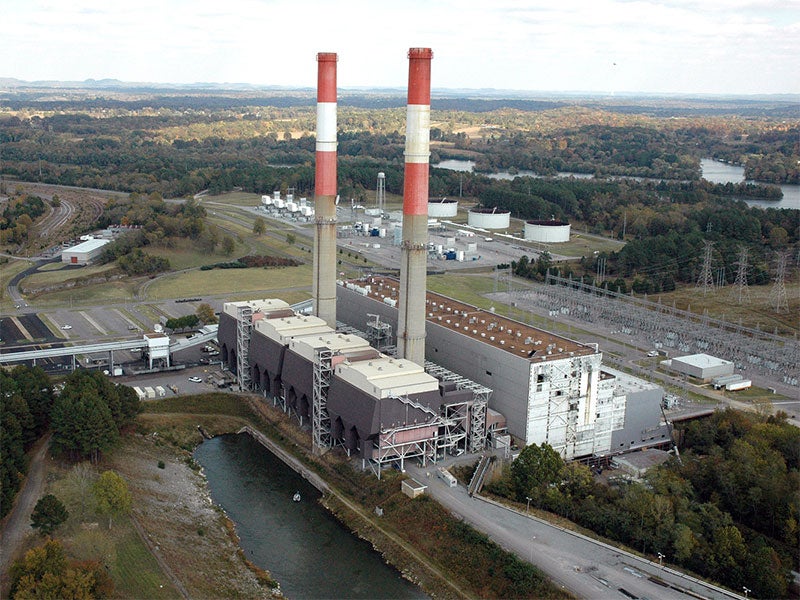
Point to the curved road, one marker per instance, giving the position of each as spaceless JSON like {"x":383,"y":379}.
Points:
{"x":585,"y":567}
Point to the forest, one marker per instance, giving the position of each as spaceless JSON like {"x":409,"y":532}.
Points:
{"x":727,"y":509}
{"x":85,"y":417}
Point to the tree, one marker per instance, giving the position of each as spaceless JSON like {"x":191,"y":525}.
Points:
{"x":206,"y":313}
{"x":535,"y":469}
{"x":228,"y":245}
{"x":259,"y":226}
{"x":77,"y":488}
{"x":48,"y":514}
{"x":36,"y":564}
{"x":112,"y":495}
{"x":290,"y":239}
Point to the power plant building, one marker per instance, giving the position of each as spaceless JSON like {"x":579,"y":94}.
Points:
{"x":458,"y":378}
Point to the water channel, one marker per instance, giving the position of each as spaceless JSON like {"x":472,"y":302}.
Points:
{"x":712,"y":170}
{"x":301,"y":544}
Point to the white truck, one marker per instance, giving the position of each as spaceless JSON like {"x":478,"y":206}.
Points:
{"x":447,"y":477}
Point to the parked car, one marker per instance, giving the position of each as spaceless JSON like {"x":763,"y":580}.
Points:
{"x":195,"y":379}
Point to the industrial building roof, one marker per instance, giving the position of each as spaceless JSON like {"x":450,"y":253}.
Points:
{"x":628,"y":383}
{"x":89,"y":245}
{"x":306,"y":345}
{"x":263,"y":306}
{"x":284,"y":329}
{"x":702,"y":361}
{"x":386,"y":377}
{"x":501,"y":332}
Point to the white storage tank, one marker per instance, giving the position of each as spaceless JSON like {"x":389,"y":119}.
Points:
{"x":489,"y":218}
{"x":549,"y":231}
{"x":443,"y":207}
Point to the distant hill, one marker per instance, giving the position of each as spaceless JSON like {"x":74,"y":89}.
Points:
{"x":50,"y":94}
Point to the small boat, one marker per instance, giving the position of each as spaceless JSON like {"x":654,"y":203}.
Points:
{"x":296,"y":497}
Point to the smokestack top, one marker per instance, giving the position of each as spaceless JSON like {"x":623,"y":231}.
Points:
{"x":419,"y":76}
{"x":326,"y":77}
{"x":426,"y":53}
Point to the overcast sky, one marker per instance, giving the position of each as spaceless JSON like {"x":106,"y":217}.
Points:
{"x":653,"y":46}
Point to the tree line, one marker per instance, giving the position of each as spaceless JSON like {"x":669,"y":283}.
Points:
{"x":85,"y":416}
{"x":728,"y":510}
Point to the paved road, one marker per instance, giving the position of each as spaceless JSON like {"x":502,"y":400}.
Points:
{"x":586,"y":568}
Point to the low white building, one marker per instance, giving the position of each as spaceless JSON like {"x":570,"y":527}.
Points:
{"x":701,"y":366}
{"x":85,"y":252}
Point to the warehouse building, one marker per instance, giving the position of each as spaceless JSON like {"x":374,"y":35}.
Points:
{"x":85,"y":252}
{"x":701,"y":366}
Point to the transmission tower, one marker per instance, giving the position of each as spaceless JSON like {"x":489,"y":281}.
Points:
{"x":777,"y":295}
{"x":706,"y":279}
{"x":601,"y":270}
{"x":741,"y":276}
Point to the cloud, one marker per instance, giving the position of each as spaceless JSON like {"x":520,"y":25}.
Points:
{"x":665,"y":45}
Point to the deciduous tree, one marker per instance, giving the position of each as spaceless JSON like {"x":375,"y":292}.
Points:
{"x":112,"y":495}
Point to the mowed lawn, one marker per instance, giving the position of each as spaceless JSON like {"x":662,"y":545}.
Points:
{"x":231,"y":281}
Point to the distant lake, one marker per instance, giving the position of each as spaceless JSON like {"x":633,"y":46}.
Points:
{"x":720,"y":172}
{"x":712,"y":170}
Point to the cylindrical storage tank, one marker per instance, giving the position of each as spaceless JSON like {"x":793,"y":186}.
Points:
{"x":489,"y":218}
{"x":442,"y":207}
{"x":550,"y":231}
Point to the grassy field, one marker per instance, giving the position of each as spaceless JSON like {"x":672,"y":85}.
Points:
{"x":123,"y":290}
{"x":185,"y":255}
{"x":55,"y":273}
{"x":231,"y":281}
{"x":754,"y":312}
{"x":7,"y":272}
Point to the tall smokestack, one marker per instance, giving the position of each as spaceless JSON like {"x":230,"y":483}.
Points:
{"x":413,"y":260}
{"x":324,"y":279}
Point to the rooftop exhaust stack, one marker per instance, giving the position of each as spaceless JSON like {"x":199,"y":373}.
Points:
{"x":413,"y":260}
{"x":324,"y":278}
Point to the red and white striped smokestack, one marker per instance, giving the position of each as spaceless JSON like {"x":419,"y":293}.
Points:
{"x":413,"y":261}
{"x":324,"y":278}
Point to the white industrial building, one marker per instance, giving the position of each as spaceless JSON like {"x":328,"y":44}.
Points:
{"x":85,"y":252}
{"x":701,"y":366}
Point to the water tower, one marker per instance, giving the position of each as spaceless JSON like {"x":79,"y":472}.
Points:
{"x":380,"y":196}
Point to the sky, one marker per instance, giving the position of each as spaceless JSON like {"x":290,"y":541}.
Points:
{"x":599,"y":46}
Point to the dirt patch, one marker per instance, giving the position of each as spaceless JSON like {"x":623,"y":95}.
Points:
{"x":192,"y":539}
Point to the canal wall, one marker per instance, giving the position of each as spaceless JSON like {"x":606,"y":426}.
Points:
{"x":291,"y":461}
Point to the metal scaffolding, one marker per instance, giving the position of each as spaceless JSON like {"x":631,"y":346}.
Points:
{"x":244,"y":329}
{"x":320,"y":419}
{"x":398,"y":443}
{"x":474,"y":422}
{"x":379,"y":333}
